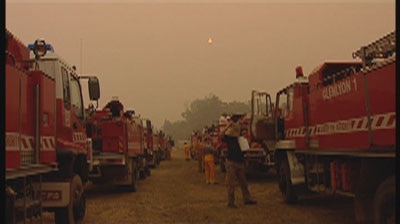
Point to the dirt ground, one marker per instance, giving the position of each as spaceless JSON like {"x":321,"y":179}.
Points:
{"x":177,"y":193}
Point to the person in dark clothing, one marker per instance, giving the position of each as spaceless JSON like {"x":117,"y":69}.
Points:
{"x":235,"y":167}
{"x":115,"y":107}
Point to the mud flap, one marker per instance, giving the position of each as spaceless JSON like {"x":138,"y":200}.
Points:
{"x":74,"y":212}
{"x":296,"y":169}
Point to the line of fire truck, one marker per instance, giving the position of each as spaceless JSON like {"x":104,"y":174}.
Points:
{"x":54,"y":146}
{"x":332,"y":132}
{"x":125,"y":145}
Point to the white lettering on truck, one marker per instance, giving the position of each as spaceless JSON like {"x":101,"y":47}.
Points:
{"x":336,"y":90}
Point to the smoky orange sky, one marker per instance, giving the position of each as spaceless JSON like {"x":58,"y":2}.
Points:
{"x":156,"y":56}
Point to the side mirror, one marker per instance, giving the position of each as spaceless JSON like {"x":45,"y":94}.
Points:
{"x":94,"y":88}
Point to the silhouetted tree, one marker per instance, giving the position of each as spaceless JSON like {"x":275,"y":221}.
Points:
{"x":201,"y":113}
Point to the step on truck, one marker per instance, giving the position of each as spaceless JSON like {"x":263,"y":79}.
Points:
{"x":47,"y":151}
{"x":335,"y":132}
{"x":118,"y":146}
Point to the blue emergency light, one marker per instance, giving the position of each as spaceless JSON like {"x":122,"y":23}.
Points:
{"x":40,"y":48}
{"x":49,"y":47}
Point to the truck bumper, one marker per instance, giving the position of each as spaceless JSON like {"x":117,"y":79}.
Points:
{"x":107,"y":166}
{"x":254,"y":157}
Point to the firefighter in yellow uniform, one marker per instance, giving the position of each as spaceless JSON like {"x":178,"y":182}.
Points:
{"x":186,"y":149}
{"x":209,"y":166}
{"x":199,"y":154}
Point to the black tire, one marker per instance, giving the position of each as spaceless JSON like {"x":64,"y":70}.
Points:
{"x":147,"y":171}
{"x":10,"y":202}
{"x":154,"y":161}
{"x":285,"y":183}
{"x":263,"y":168}
{"x":385,"y":202}
{"x":142,"y":174}
{"x":222,"y":165}
{"x":134,"y":176}
{"x":158,"y":158}
{"x":75,"y":211}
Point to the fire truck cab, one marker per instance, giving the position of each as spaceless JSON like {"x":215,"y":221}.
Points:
{"x":47,"y":152}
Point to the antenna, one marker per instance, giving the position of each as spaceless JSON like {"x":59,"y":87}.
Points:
{"x":81,"y":66}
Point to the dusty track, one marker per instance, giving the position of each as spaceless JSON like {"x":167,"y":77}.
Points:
{"x":177,"y":193}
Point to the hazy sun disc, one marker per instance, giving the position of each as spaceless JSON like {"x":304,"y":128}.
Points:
{"x":210,"y":40}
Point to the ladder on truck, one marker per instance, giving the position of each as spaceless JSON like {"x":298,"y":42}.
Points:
{"x":383,"y":48}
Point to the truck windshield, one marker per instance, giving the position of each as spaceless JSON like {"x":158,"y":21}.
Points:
{"x":76,"y":98}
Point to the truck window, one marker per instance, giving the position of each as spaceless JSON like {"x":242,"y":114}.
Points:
{"x":76,"y":98}
{"x":283,"y":105}
{"x":261,"y":105}
{"x":66,"y":88}
{"x":269,"y":106}
{"x":290,"y":99}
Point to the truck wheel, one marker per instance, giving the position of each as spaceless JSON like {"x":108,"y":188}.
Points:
{"x":134,"y":176}
{"x":158,"y":158}
{"x":75,"y":211}
{"x":222,"y":165}
{"x":154,"y":161}
{"x":10,"y":201}
{"x":142,"y":174}
{"x":285,"y":184}
{"x":147,"y":171}
{"x":384,"y":202}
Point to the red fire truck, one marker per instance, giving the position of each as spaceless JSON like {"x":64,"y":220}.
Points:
{"x":163,"y":145}
{"x":337,"y":131}
{"x":118,"y":146}
{"x":47,"y":152}
{"x":156,"y":147}
{"x":152,"y":144}
{"x":261,"y":126}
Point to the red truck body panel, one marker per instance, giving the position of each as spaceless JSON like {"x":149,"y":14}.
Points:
{"x":338,"y":111}
{"x":20,"y":110}
{"x":136,"y":137}
{"x":118,"y":135}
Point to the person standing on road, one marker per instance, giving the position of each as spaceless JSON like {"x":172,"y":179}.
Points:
{"x":209,"y":165}
{"x":186,"y":149}
{"x":170,"y":144}
{"x":235,"y":167}
{"x":199,"y":154}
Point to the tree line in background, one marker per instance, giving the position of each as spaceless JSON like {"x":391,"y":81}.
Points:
{"x":201,"y":113}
